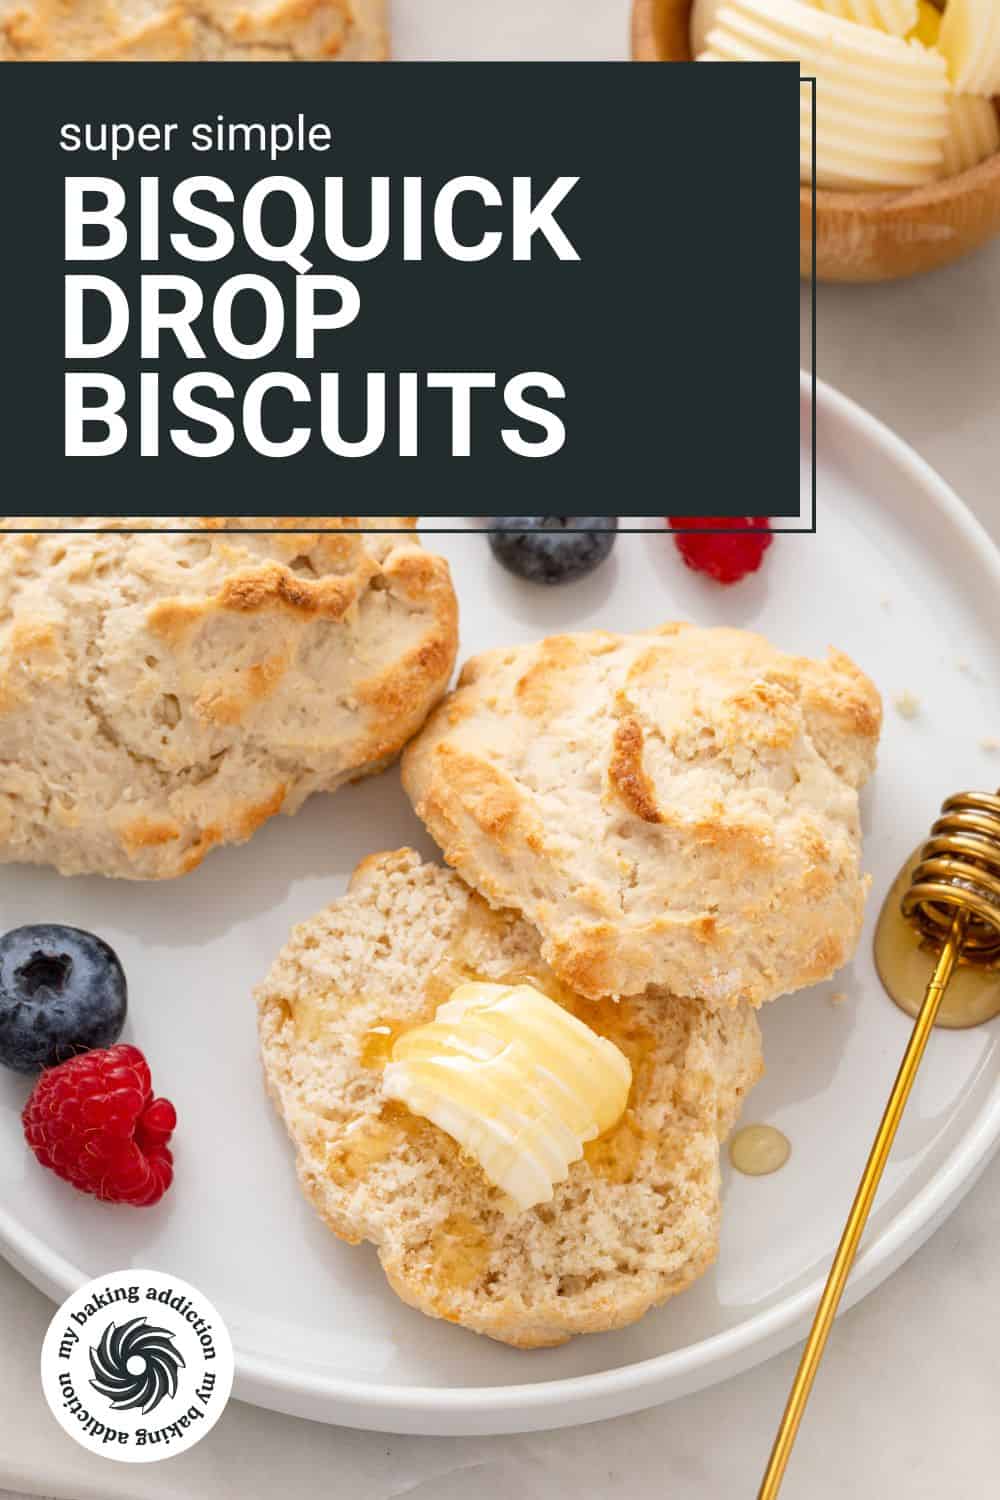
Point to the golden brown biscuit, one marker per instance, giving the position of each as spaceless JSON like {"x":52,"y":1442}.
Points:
{"x":161,"y":694}
{"x":192,"y":30}
{"x":674,"y":808}
{"x":637,"y":1219}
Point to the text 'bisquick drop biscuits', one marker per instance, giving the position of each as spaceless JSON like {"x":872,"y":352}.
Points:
{"x":674,"y":808}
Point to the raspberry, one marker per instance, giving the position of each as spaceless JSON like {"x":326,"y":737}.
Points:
{"x":94,"y":1121}
{"x":725,"y":557}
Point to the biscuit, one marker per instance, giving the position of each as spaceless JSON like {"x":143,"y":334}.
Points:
{"x":675,"y":808}
{"x":636,"y":1220}
{"x":162,"y":694}
{"x":183,"y":31}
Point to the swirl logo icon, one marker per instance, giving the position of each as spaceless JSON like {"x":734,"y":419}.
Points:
{"x":137,"y":1366}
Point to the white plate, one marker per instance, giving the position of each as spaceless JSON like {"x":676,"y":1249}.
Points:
{"x":901,"y":578}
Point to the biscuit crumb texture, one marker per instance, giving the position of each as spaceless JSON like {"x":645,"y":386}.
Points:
{"x":677,"y":808}
{"x":636,"y":1221}
{"x":192,"y":31}
{"x":163,"y":694}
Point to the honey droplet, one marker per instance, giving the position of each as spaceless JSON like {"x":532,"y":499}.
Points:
{"x":377,"y":1043}
{"x":309,"y":1020}
{"x":461,"y":1251}
{"x":361,"y":1149}
{"x":615,"y":1154}
{"x":758,"y":1150}
{"x":905,"y":962}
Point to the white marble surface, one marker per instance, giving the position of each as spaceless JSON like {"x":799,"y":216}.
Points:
{"x":908,"y":1398}
{"x":906,"y":1405}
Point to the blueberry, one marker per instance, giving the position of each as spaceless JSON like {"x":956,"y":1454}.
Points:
{"x":543,"y":549}
{"x":62,"y":991}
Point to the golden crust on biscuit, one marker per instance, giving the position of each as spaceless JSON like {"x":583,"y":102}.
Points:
{"x":162,"y":694}
{"x":185,"y":31}
{"x":674,"y":808}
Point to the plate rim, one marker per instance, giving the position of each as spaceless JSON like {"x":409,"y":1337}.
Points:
{"x":567,"y":1400}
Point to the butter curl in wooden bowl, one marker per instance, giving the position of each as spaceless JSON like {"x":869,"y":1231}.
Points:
{"x":860,"y":236}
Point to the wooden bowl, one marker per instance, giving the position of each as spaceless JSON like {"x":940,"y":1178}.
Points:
{"x":859,"y":236}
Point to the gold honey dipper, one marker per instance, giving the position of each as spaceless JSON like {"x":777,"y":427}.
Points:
{"x":953,"y":900}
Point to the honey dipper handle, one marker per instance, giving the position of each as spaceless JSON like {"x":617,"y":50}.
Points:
{"x":860,"y":1209}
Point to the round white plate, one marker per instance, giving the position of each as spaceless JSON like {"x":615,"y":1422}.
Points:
{"x":900,"y":577}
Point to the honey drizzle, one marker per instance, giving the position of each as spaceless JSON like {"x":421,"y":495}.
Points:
{"x":377,"y":1043}
{"x":905,"y":962}
{"x":462,"y":1252}
{"x":460,"y":1248}
{"x":613,"y":1155}
{"x":616,"y":1153}
{"x":360,"y":1149}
